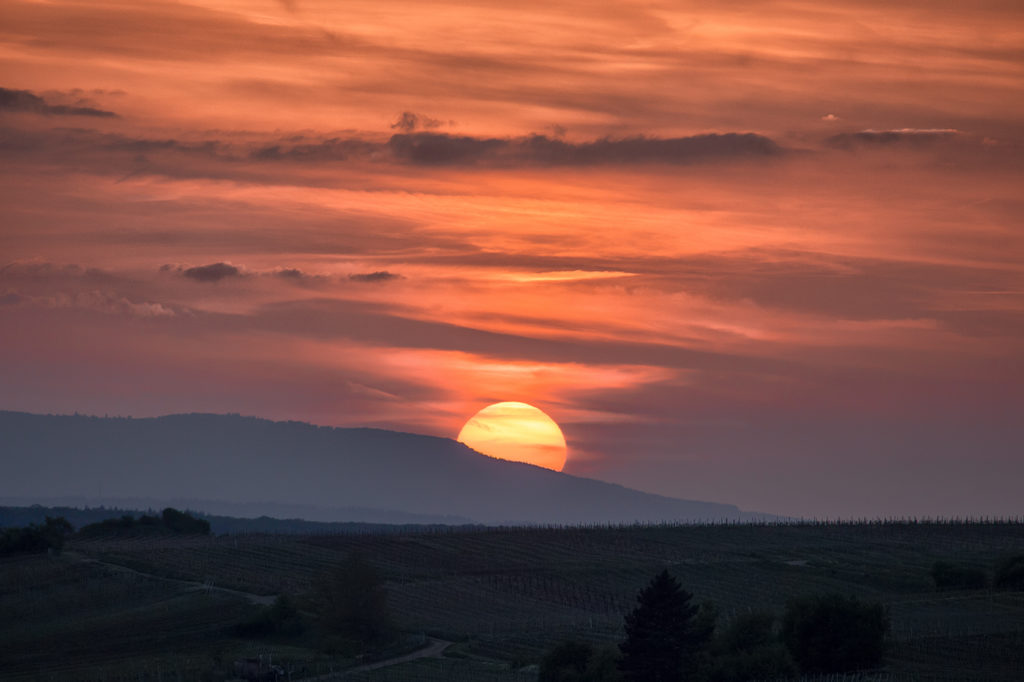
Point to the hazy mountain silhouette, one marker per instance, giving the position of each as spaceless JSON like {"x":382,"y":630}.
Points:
{"x":260,"y":465}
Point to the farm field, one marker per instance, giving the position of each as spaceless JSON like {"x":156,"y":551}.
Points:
{"x":503,"y":595}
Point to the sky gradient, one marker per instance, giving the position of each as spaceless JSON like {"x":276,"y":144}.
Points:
{"x":764,"y":253}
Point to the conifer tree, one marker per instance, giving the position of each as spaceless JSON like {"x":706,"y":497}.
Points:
{"x":661,"y":640}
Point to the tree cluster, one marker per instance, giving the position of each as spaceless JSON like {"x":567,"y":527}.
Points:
{"x":170,"y":521}
{"x":833,"y":633}
{"x":35,"y":538}
{"x":669,"y":638}
{"x":352,"y":603}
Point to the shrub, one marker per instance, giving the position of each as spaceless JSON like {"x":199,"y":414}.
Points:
{"x":567,"y":662}
{"x":1010,"y":573}
{"x":832,"y":633}
{"x":352,"y":602}
{"x":749,"y":650}
{"x":280,"y":618}
{"x":948,"y":576}
{"x":579,"y":662}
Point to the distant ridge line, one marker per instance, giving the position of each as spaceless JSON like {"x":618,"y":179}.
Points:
{"x":251,"y":466}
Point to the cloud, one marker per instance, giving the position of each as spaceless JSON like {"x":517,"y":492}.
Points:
{"x":444,"y":149}
{"x":214,"y":272}
{"x":106,"y":302}
{"x":916,"y":136}
{"x":331,"y":149}
{"x":12,"y":298}
{"x":130,"y":156}
{"x":379,"y":276}
{"x":376,"y":324}
{"x":26,"y":101}
{"x":408,"y":122}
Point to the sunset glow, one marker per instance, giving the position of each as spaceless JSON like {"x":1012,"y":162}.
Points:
{"x":782,"y":239}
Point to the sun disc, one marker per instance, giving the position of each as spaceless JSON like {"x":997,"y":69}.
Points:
{"x":517,"y":432}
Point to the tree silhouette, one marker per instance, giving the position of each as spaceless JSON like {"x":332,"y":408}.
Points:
{"x":352,"y":602}
{"x":35,"y":538}
{"x":831,"y":633}
{"x":661,"y":640}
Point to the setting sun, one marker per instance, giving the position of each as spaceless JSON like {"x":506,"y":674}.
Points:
{"x":517,"y":432}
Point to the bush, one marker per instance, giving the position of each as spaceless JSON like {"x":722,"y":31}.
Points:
{"x":352,"y":602}
{"x":749,"y":650}
{"x":832,"y":633}
{"x":948,"y":576}
{"x":579,"y":662}
{"x":1010,"y":573}
{"x":567,"y":662}
{"x":748,"y":631}
{"x":280,"y":618}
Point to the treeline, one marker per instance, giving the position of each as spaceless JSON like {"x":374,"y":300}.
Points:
{"x":230,"y":525}
{"x":169,"y":521}
{"x":669,"y":638}
{"x":37,"y":538}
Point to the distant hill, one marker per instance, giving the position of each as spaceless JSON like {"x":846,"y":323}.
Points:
{"x":260,"y":465}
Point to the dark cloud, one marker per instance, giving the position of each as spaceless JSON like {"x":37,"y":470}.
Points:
{"x":26,"y":101}
{"x":880,"y":138}
{"x":331,"y":149}
{"x":12,"y":298}
{"x":36,"y":272}
{"x":128,"y":156}
{"x":214,"y":272}
{"x":443,"y":149}
{"x":379,"y":276}
{"x":408,"y":122}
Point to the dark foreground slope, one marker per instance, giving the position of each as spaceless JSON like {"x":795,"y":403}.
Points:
{"x":154,"y":608}
{"x":251,"y":461}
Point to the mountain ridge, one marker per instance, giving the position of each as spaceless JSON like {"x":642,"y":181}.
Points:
{"x":251,"y":460}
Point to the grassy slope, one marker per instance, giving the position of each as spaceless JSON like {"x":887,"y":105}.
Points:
{"x":512,"y":593}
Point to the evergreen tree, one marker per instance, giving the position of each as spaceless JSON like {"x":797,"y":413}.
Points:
{"x":661,"y":638}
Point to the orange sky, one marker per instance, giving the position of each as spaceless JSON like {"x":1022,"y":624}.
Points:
{"x":768,"y":253}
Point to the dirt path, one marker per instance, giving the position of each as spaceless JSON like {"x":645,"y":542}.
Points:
{"x":434,"y":649}
{"x":195,"y":586}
